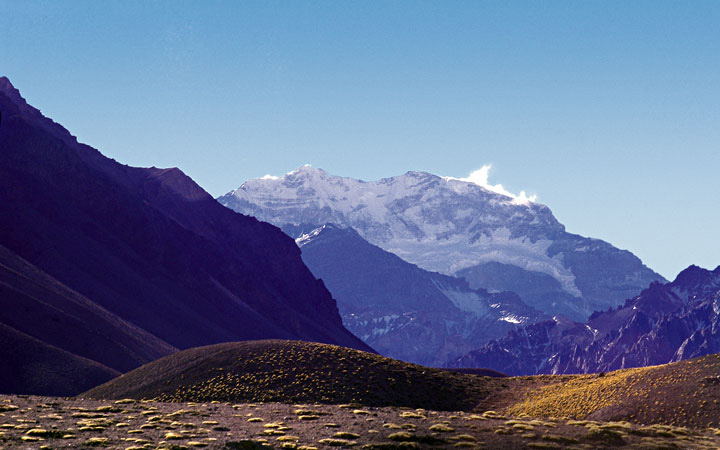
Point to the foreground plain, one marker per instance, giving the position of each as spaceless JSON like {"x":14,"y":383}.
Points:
{"x":44,"y":422}
{"x":304,"y":396}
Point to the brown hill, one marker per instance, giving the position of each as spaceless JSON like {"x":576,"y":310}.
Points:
{"x":681,"y":394}
{"x":296,"y":372}
{"x":685,"y":393}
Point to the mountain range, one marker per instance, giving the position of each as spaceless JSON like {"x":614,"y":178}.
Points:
{"x":664,"y":323}
{"x":459,"y":228}
{"x":401,"y":310}
{"x":105,"y":267}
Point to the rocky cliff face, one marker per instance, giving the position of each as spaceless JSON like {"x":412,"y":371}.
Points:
{"x":150,"y":246}
{"x":449,"y":225}
{"x":665,"y":323}
{"x":401,"y":310}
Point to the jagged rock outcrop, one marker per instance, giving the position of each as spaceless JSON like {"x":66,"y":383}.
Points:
{"x":665,"y":323}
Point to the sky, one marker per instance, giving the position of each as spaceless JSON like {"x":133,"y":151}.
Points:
{"x":607,"y":111}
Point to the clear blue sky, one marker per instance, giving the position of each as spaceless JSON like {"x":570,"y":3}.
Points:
{"x":608,"y":111}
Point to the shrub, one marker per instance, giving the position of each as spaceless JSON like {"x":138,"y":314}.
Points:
{"x":337,"y":442}
{"x":605,"y":436}
{"x":401,"y":436}
{"x":244,"y":445}
{"x":97,"y":442}
{"x":345,"y":435}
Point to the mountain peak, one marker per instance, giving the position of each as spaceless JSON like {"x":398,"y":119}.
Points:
{"x":307,"y":170}
{"x":419,"y":174}
{"x":33,"y":114}
{"x":445,"y":225}
{"x":692,"y":276}
{"x":5,"y":84}
{"x":7,"y":88}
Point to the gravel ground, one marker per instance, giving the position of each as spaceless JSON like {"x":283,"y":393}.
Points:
{"x":28,"y":422}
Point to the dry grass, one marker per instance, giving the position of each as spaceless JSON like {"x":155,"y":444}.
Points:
{"x":225,"y":426}
{"x":665,"y":407}
{"x":673,"y":394}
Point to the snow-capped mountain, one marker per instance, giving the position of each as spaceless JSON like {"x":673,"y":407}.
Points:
{"x":446,"y":225}
{"x":665,"y":323}
{"x":401,"y":310}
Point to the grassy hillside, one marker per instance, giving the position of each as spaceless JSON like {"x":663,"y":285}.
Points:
{"x":296,"y":372}
{"x":686,"y":393}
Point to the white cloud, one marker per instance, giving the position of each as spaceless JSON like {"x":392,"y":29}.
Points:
{"x":480,"y":178}
{"x":523,"y":199}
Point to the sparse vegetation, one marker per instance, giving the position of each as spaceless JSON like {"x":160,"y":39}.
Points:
{"x":337,"y":442}
{"x":97,"y":442}
{"x":401,"y":436}
{"x":639,"y":395}
{"x":506,"y":420}
{"x":219,"y":426}
{"x":346,"y":435}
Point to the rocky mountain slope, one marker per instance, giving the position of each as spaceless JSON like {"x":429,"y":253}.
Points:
{"x":401,"y":310}
{"x":535,"y":288}
{"x":147,"y":246}
{"x":665,"y":323}
{"x":447,"y":225}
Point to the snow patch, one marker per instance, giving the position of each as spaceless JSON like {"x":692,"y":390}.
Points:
{"x":468,"y":301}
{"x":512,"y":319}
{"x":307,"y":237}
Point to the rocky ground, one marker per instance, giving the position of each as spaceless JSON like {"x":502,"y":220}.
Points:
{"x":53,"y":423}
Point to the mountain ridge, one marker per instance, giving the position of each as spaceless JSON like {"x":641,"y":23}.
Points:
{"x":665,"y":323}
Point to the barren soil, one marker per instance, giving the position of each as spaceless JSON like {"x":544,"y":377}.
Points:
{"x":45,"y":422}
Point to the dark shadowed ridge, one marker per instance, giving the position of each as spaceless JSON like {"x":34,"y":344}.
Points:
{"x":394,"y":305}
{"x":36,"y":304}
{"x":54,"y":371}
{"x":149,"y":246}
